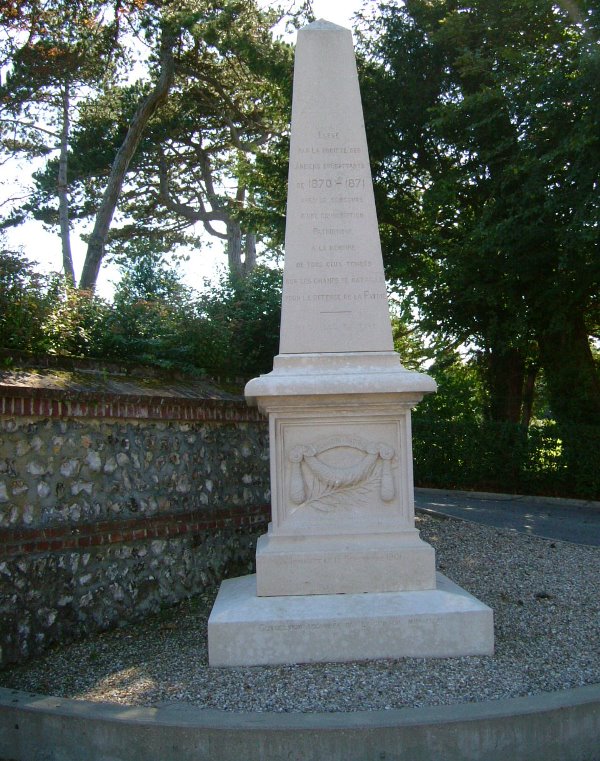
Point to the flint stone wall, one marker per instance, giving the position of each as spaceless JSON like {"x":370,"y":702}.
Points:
{"x":113,"y":506}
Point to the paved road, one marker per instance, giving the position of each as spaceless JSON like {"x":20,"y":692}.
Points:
{"x":567,"y":520}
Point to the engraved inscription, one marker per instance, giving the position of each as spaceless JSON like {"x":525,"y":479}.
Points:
{"x":332,"y":231}
{"x":357,"y":624}
{"x":332,"y":191}
{"x":338,"y":182}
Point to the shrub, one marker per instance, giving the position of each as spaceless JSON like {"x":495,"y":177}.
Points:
{"x":75,"y":325}
{"x":505,"y":457}
{"x":25,"y":301}
{"x":244,"y":315}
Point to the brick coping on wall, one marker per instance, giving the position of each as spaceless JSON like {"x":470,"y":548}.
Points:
{"x":35,"y":402}
{"x":25,"y":541}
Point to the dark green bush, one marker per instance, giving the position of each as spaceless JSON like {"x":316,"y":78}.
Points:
{"x":503,"y":457}
{"x":461,"y":394}
{"x":145,"y":321}
{"x":75,"y":325}
{"x":25,"y":302}
{"x":230,"y":330}
{"x":247,"y":312}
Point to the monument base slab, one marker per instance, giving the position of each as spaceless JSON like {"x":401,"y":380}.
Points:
{"x":247,"y":630}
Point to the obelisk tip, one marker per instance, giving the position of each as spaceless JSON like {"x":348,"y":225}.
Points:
{"x":321,"y":25}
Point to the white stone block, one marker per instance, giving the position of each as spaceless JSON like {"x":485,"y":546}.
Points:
{"x":343,"y":564}
{"x":245,"y":629}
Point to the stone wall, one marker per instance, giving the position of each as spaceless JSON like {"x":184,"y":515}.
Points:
{"x":114,"y":505}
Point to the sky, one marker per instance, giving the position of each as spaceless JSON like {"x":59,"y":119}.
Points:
{"x":44,"y":247}
{"x":338,"y":11}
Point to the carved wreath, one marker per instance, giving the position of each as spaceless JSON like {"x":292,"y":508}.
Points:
{"x":333,"y":479}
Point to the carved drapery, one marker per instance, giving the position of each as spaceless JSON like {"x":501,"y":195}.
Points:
{"x":372,"y":459}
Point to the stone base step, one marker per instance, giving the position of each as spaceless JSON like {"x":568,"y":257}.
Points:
{"x":246,"y":630}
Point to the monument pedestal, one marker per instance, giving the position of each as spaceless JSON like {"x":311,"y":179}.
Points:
{"x":342,"y":573}
{"x":341,"y":476}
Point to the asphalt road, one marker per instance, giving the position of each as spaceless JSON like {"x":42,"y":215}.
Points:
{"x":566,"y":520}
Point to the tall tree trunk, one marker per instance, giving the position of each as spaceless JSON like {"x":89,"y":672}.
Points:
{"x":240,"y":245}
{"x":505,"y":370}
{"x":574,"y":390}
{"x":234,"y":248}
{"x":95,"y":250}
{"x":570,"y":371}
{"x":249,"y":253}
{"x":531,"y":374}
{"x":62,"y":188}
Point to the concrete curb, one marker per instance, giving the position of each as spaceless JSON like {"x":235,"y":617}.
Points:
{"x":499,"y":497}
{"x":560,"y":726}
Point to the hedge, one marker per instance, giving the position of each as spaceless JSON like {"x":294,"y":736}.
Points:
{"x":544,"y":459}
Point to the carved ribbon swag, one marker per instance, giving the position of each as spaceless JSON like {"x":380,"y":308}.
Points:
{"x":333,"y":478}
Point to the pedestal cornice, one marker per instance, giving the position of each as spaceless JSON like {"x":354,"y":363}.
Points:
{"x":339,"y":374}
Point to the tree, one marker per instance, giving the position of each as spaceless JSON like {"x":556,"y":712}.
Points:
{"x":225,"y":106}
{"x":144,"y":112}
{"x":183,"y":151}
{"x":482,"y":118}
{"x":54,"y":51}
{"x":207,"y":159}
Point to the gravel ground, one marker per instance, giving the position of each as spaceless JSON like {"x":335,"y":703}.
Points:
{"x":546,"y":603}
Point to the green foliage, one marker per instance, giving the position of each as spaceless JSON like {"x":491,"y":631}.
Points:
{"x":248,"y":311}
{"x":25,"y":302}
{"x":461,"y":395}
{"x":75,"y":323}
{"x":230,"y":330}
{"x":149,"y":320}
{"x":482,"y":119}
{"x":506,"y":458}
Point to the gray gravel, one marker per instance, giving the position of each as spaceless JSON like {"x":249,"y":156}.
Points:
{"x":546,"y":600}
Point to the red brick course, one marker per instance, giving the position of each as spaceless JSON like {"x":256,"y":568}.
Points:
{"x":19,"y":401}
{"x":25,"y":541}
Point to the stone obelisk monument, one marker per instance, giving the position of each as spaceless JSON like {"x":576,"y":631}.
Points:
{"x":342,"y":573}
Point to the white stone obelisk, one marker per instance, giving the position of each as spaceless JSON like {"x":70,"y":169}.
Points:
{"x":342,"y":573}
{"x":334,"y":294}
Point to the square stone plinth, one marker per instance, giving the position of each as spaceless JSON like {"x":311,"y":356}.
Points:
{"x":246,"y":630}
{"x":317,"y":565}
